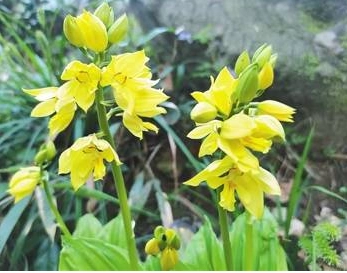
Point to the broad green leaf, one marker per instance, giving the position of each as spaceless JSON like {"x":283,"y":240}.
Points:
{"x":90,"y":254}
{"x":88,"y":226}
{"x":203,"y":252}
{"x":152,"y":264}
{"x":113,"y":233}
{"x":45,"y":213}
{"x":266,"y":253}
{"x":11,"y":219}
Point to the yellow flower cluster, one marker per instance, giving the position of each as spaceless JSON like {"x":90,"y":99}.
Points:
{"x":167,"y":243}
{"x":227,"y":120}
{"x":133,"y":93}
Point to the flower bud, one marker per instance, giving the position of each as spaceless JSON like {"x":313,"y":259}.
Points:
{"x":273,"y":60}
{"x":266,"y":76}
{"x":262,"y":55}
{"x":203,"y":112}
{"x":23,"y":182}
{"x":169,"y":258}
{"x":46,"y":153}
{"x":50,"y":150}
{"x":72,"y":32}
{"x":93,"y":31}
{"x":276,"y":109}
{"x":242,"y":62}
{"x":118,"y":30}
{"x":248,"y":84}
{"x":105,"y":13}
{"x":152,"y":247}
{"x":158,"y":232}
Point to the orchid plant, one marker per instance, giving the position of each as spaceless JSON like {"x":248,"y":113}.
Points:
{"x":228,"y":120}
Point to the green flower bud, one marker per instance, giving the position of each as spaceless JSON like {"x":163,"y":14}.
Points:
{"x":40,"y":157}
{"x":50,"y":150}
{"x":176,"y":243}
{"x":242,"y":62}
{"x":72,"y":31}
{"x":203,"y":112}
{"x":105,"y":13}
{"x":152,"y":247}
{"x":118,"y":30}
{"x":158,"y":232}
{"x":248,"y":84}
{"x":262,"y":55}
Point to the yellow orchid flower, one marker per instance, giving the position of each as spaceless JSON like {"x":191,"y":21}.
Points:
{"x":86,"y":30}
{"x":219,"y":95}
{"x":24,"y":182}
{"x":249,"y":186}
{"x":133,"y":91}
{"x":276,"y":109}
{"x":82,"y":82}
{"x":84,"y":159}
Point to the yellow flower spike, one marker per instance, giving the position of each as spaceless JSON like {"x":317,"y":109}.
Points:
{"x":84,"y":159}
{"x":24,"y":182}
{"x":105,"y":13}
{"x":82,"y":83}
{"x":203,"y":112}
{"x":276,"y":109}
{"x":152,"y":247}
{"x":118,"y":30}
{"x":133,"y":91}
{"x":169,"y":258}
{"x":266,"y":76}
{"x":72,"y":31}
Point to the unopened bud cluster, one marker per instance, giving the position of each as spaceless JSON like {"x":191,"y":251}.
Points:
{"x":166,"y":243}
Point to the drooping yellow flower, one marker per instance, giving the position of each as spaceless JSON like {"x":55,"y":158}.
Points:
{"x":24,"y":182}
{"x":86,"y":30}
{"x":276,"y":109}
{"x":47,"y":97}
{"x":82,"y":82}
{"x":85,"y":159}
{"x":219,"y":95}
{"x":133,"y":91}
{"x":249,"y":186}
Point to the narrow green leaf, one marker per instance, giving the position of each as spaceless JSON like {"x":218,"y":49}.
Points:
{"x":45,"y":213}
{"x":11,"y":219}
{"x":327,"y":192}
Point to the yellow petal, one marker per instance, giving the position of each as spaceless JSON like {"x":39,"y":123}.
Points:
{"x":65,"y":162}
{"x":250,"y":194}
{"x":209,"y":145}
{"x":238,"y":126}
{"x":44,"y":108}
{"x":257,"y":144}
{"x":276,"y":109}
{"x":266,"y":76}
{"x":99,"y":169}
{"x":268,"y":127}
{"x":205,"y":129}
{"x":59,"y":122}
{"x":267,"y":182}
{"x":227,"y":197}
{"x":42,"y":94}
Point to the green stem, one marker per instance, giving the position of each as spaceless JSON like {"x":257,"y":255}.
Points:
{"x":54,"y":209}
{"x":119,"y":183}
{"x":223,"y":224}
{"x":247,"y":255}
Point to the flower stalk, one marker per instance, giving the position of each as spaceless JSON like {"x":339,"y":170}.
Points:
{"x":54,"y":209}
{"x":223,"y":225}
{"x":119,"y":182}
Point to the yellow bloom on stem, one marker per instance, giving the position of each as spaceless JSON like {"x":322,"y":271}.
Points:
{"x":169,"y":258}
{"x":86,"y":30}
{"x":276,"y":109}
{"x":219,"y":95}
{"x":82,"y":82}
{"x":85,"y":159}
{"x":24,"y":182}
{"x":133,"y":91}
{"x":249,"y":186}
{"x":47,"y":97}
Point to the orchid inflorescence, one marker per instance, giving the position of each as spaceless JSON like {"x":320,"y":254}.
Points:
{"x":231,"y":124}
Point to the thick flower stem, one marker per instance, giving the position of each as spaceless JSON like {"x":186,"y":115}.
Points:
{"x":223,"y":225}
{"x":247,"y":255}
{"x":54,"y":209}
{"x":119,"y":183}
